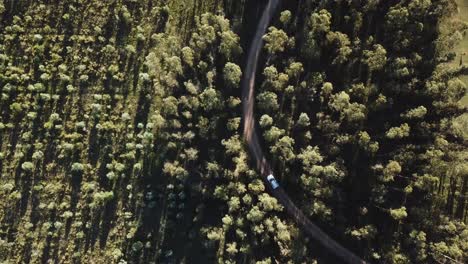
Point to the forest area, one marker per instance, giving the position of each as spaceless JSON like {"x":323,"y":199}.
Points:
{"x":121,"y":136}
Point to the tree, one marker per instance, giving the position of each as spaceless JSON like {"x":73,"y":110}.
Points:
{"x":232,"y":74}
{"x":275,"y":40}
{"x":303,"y":120}
{"x":268,"y":101}
{"x":120,"y":123}
{"x":210,"y":100}
{"x":375,"y":59}
{"x":27,"y":166}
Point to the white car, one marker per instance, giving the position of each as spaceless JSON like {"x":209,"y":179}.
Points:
{"x":274,"y":184}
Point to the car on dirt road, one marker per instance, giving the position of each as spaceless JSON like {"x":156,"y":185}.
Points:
{"x":271,"y":179}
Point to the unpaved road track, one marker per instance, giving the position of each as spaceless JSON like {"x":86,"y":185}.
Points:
{"x":252,"y":139}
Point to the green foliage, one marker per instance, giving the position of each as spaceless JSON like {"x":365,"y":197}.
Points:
{"x":77,"y":167}
{"x":268,"y":101}
{"x":398,"y":132}
{"x":120,"y":131}
{"x":2,"y":7}
{"x":210,"y":99}
{"x":275,"y":40}
{"x":232,"y":74}
{"x":229,"y":46}
{"x":376,"y":58}
{"x":285,"y":17}
{"x":399,"y":214}
{"x":392,"y":169}
{"x":303,"y":120}
{"x":416,"y":113}
{"x":320,"y":22}
{"x":266,"y":121}
{"x":27,"y":166}
{"x":284,"y":148}
{"x":188,"y":56}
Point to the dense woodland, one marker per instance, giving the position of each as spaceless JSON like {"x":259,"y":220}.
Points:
{"x":120,"y":137}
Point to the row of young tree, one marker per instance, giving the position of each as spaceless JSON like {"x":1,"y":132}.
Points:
{"x":120,"y":137}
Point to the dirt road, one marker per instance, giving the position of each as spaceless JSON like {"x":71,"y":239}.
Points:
{"x":252,"y":139}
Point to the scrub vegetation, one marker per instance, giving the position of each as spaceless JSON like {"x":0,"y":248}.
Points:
{"x":120,"y":137}
{"x":462,"y":48}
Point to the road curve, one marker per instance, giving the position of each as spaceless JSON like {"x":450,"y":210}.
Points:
{"x":252,"y":140}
